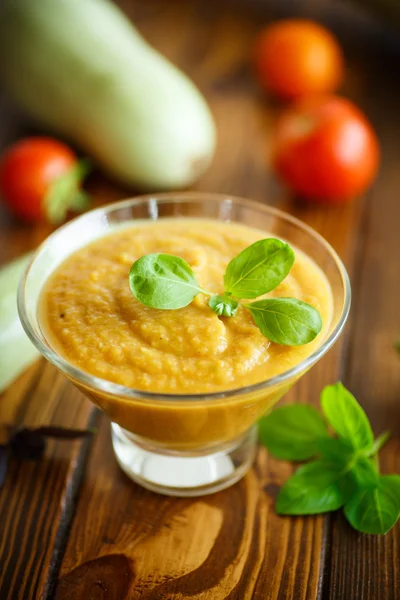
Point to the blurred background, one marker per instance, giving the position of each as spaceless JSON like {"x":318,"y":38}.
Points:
{"x":215,"y":45}
{"x":256,"y":109}
{"x":292,"y":103}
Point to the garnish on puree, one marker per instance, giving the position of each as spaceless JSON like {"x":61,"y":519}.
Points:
{"x":167,"y":282}
{"x":216,"y":335}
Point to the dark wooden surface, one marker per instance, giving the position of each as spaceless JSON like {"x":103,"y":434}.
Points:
{"x":72,"y":525}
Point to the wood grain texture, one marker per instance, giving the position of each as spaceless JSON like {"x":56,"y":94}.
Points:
{"x":246,"y":550}
{"x":33,"y":501}
{"x":369,"y":566}
{"x":67,"y":532}
{"x":214,"y":547}
{"x":37,"y":498}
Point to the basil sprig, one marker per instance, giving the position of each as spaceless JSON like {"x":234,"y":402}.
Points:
{"x":258,"y":269}
{"x":165,"y":281}
{"x":223,"y":305}
{"x":344,"y":473}
{"x":286,"y":320}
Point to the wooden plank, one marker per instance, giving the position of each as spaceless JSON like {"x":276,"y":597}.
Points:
{"x":126,"y":542}
{"x":269,"y":557}
{"x":232,"y":544}
{"x":362,"y":566}
{"x":36,"y":498}
{"x":13,"y":400}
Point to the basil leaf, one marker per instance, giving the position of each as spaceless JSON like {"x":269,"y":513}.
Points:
{"x":375,"y":510}
{"x":346,"y":416}
{"x":292,"y":432}
{"x":378,"y":443}
{"x":313,"y":489}
{"x":163,"y":281}
{"x":259,"y":268}
{"x":364,"y":473}
{"x":357,"y":471}
{"x":286,"y":320}
{"x":335,"y":450}
{"x":223,"y":305}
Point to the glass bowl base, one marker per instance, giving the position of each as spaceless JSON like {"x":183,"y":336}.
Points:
{"x":183,"y":474}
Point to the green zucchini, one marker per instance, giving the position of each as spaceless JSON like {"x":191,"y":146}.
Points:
{"x":16,"y":351}
{"x":82,"y":69}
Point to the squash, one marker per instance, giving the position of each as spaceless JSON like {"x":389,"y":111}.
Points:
{"x":16,"y":350}
{"x":80,"y":68}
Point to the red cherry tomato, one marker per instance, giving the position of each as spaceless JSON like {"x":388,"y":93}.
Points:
{"x":297,"y":57}
{"x":27,"y":171}
{"x":325,"y":150}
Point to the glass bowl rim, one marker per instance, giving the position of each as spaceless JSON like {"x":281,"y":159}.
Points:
{"x":115,"y":389}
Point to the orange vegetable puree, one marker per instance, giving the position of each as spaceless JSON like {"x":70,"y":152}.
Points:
{"x":91,"y":318}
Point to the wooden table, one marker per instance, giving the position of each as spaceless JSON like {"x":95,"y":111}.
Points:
{"x":72,"y":525}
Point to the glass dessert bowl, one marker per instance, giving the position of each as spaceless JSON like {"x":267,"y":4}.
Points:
{"x":185,"y":440}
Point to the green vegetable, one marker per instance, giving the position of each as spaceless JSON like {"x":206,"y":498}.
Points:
{"x":224,"y":305}
{"x":286,"y":320}
{"x":16,"y":351}
{"x":167,"y":282}
{"x":363,"y":472}
{"x":313,"y":489}
{"x":346,"y":416}
{"x":345,"y":471}
{"x":377,"y":509}
{"x":82,"y":69}
{"x":163,"y":281}
{"x":378,"y":443}
{"x":258,"y":269}
{"x":334,"y":449}
{"x":293,"y":432}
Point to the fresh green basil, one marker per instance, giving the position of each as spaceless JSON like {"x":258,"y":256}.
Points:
{"x":346,"y":470}
{"x":335,"y":450}
{"x":364,"y":473}
{"x":375,"y":509}
{"x":224,"y":306}
{"x":163,"y":281}
{"x":258,"y":269}
{"x":356,"y":469}
{"x":346,"y":416}
{"x":378,"y":443}
{"x":293,"y":432}
{"x":286,"y":320}
{"x":313,"y":489}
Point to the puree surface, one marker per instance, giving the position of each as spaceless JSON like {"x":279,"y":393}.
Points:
{"x":91,"y":318}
